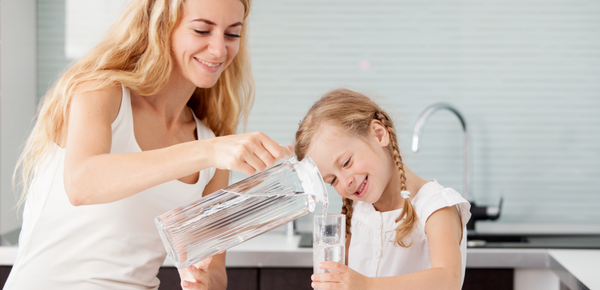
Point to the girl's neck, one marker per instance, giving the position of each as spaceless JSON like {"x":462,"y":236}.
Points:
{"x":391,"y":198}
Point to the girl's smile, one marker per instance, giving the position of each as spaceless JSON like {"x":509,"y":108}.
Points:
{"x":362,"y":189}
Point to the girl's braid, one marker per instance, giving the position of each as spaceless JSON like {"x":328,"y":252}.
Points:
{"x":408,"y":212}
{"x":347,"y":210}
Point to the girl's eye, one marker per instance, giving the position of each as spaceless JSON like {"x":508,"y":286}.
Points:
{"x":332,"y":181}
{"x":347,"y":162}
{"x":202,"y":32}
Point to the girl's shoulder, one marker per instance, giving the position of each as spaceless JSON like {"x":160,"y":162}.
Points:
{"x":433,"y":196}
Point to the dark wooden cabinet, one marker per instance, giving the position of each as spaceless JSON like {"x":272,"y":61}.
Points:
{"x":4,"y":271}
{"x":285,"y":278}
{"x":243,"y":278}
{"x":299,"y":278}
{"x":492,"y":279}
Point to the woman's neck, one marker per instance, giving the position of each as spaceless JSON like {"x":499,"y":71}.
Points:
{"x":171,"y":101}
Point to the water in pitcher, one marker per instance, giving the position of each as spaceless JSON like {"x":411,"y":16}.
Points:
{"x":241,"y":211}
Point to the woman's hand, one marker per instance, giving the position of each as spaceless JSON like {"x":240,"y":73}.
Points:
{"x":196,"y":276}
{"x":339,"y":277}
{"x":247,"y":153}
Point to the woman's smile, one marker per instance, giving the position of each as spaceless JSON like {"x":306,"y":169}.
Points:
{"x":210,"y":66}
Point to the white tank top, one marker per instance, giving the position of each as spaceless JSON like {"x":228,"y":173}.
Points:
{"x":105,"y":246}
{"x":372,"y":251}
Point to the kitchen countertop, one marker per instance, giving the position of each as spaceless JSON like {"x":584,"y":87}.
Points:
{"x":274,"y":250}
{"x":576,"y":267}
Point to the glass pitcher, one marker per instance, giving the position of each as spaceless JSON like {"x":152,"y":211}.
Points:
{"x":241,"y":211}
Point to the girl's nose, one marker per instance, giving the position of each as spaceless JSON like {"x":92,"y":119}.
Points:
{"x":347,"y":182}
{"x":216,"y":46}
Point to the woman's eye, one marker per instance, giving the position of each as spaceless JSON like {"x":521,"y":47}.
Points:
{"x":233,"y":35}
{"x":202,"y":32}
{"x":332,"y":181}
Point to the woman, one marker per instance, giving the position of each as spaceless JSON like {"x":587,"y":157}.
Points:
{"x":118,"y":141}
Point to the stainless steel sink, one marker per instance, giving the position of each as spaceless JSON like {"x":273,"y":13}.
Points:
{"x":554,"y":241}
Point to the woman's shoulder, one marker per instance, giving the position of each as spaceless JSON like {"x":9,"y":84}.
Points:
{"x":105,"y":98}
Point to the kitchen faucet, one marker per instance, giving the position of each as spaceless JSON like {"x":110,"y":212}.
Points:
{"x":477,"y":212}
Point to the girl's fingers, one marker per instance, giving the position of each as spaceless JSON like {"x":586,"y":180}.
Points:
{"x":326,"y":277}
{"x":324,"y":286}
{"x":332,"y":266}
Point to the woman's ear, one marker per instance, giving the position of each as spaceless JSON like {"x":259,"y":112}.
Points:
{"x":380,"y":132}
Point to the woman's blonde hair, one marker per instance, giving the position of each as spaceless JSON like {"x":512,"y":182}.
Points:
{"x":353,"y":113}
{"x":136,"y":53}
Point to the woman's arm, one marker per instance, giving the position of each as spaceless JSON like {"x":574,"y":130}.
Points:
{"x":215,"y":278}
{"x":444,"y":232}
{"x":93,"y":175}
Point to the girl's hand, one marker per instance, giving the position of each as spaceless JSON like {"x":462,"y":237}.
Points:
{"x":196,"y":277}
{"x":247,"y":153}
{"x":340,"y":277}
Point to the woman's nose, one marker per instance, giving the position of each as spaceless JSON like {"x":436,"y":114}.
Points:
{"x":217,"y":47}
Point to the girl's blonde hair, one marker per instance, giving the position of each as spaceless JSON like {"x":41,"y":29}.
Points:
{"x":353,"y":113}
{"x":136,"y":53}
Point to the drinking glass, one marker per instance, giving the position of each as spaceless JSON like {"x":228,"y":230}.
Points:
{"x":329,"y":239}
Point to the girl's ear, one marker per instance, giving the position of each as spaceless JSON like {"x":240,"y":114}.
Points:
{"x":380,"y":132}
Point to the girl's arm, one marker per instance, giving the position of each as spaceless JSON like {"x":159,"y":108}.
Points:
{"x":93,"y":175}
{"x":444,"y":232}
{"x":212,"y":276}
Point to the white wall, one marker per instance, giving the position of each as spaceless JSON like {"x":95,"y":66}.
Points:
{"x":18,"y":95}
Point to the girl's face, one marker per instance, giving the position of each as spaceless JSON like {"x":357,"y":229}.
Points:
{"x":206,"y":39}
{"x":358,"y":169}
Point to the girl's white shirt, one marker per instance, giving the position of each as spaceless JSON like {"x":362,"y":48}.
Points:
{"x":105,"y":246}
{"x":372,"y":251}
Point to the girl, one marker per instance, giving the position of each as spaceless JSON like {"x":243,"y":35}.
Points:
{"x":128,"y":133}
{"x":402,"y":231}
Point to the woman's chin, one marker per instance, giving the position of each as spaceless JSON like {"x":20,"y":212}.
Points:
{"x":205,"y":84}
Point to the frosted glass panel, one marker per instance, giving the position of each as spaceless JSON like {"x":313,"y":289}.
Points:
{"x":525,"y":74}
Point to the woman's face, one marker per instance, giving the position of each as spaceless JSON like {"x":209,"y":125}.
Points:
{"x":358,"y":169}
{"x":206,"y":39}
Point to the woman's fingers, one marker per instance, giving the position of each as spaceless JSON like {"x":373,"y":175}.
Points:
{"x":203,"y":265}
{"x":286,"y":151}
{"x":196,"y":277}
{"x":249,"y":153}
{"x":187,"y":285}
